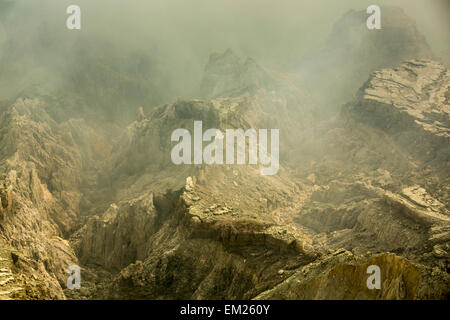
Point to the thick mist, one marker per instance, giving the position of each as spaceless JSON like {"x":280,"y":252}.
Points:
{"x":107,"y":136}
{"x":173,"y":39}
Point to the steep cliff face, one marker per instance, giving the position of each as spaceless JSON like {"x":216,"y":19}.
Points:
{"x":195,"y":252}
{"x":278,"y":236}
{"x":367,"y":187}
{"x":192,"y":251}
{"x":40,"y":193}
{"x":411,"y":104}
{"x":343,"y":276}
{"x":381,"y":183}
{"x":198,"y":227}
{"x":265,"y":237}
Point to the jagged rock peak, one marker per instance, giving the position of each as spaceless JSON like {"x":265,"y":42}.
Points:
{"x":227,"y":73}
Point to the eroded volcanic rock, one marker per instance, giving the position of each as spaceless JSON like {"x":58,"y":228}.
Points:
{"x":412,"y":104}
{"x":367,"y":187}
{"x":40,"y":191}
{"x":227,"y":232}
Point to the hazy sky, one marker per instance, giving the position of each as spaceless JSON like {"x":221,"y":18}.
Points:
{"x":251,"y":26}
{"x":185,"y":32}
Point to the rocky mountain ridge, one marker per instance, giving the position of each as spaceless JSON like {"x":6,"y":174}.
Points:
{"x":368,"y":186}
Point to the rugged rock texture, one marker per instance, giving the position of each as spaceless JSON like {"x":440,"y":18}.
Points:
{"x":198,"y":253}
{"x":40,"y":193}
{"x":342,"y":276}
{"x":411,"y":103}
{"x":368,"y":187}
{"x":9,"y":287}
{"x":382,"y":182}
{"x":267,"y":235}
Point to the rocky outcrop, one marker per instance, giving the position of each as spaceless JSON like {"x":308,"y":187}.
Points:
{"x":411,"y":104}
{"x":342,"y":275}
{"x":190,"y":251}
{"x":381,"y":183}
{"x":371,"y":202}
{"x":368,"y":187}
{"x":224,"y":231}
{"x":40,"y":193}
{"x":9,"y":287}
